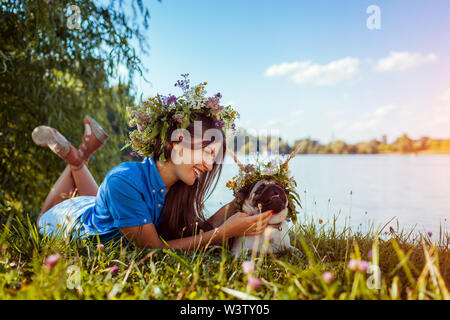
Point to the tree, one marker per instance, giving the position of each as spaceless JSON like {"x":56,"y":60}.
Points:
{"x":53,"y":72}
{"x":285,"y":148}
{"x":339,"y":147}
{"x":308,"y":146}
{"x":403,"y":144}
{"x":370,"y":147}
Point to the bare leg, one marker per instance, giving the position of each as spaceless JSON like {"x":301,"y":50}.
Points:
{"x":70,"y":178}
{"x":84,"y":181}
{"x":61,"y":190}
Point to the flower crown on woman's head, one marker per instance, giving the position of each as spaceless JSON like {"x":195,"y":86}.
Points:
{"x":273,"y":170}
{"x":156,"y":115}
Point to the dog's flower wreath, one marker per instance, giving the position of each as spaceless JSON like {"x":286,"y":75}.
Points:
{"x":274,"y":170}
{"x":156,"y":115}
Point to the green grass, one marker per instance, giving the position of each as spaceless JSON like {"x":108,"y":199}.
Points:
{"x":411,"y":267}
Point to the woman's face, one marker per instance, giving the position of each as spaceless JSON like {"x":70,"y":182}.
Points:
{"x":190,"y":163}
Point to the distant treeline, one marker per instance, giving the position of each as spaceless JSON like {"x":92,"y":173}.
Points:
{"x":245,"y":143}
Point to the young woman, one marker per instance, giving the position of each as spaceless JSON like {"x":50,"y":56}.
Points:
{"x":152,"y":203}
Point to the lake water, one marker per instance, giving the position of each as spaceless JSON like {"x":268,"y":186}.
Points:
{"x":365,"y":189}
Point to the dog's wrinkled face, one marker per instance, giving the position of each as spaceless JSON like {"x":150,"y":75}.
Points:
{"x":271,"y":196}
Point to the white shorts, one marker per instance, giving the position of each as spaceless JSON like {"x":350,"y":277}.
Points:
{"x":64,"y":218}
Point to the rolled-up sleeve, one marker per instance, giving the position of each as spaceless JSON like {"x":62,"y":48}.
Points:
{"x":126,"y":203}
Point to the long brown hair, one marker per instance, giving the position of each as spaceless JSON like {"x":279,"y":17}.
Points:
{"x":182,"y":214}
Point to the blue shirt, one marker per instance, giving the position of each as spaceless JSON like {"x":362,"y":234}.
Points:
{"x":132,"y":194}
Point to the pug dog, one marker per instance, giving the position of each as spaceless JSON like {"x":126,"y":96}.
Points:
{"x":266,"y":195}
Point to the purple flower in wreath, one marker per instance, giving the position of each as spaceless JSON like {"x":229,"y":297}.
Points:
{"x":161,"y":98}
{"x":218,"y":95}
{"x":220,"y":123}
{"x":183,"y":84}
{"x":171,"y":99}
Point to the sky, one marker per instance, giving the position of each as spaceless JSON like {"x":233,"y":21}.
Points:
{"x":327,"y":70}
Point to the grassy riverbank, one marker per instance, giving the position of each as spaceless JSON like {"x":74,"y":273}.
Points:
{"x":410,"y":267}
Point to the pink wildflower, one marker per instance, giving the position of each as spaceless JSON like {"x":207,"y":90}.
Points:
{"x":358,"y":265}
{"x":353,"y":264}
{"x":327,"y":276}
{"x":52,"y":260}
{"x":114,"y":270}
{"x":363,"y":266}
{"x":248,"y":267}
{"x":253,"y":282}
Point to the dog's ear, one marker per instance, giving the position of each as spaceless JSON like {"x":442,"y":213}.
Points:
{"x":250,"y":188}
{"x":245,"y":193}
{"x":240,"y":197}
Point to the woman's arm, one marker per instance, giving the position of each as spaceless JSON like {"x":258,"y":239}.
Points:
{"x":222,"y":215}
{"x":238,"y":224}
{"x":147,"y":236}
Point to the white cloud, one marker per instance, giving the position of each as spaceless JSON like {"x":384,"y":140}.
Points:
{"x":397,"y":61}
{"x":381,"y":111}
{"x":305,"y":72}
{"x":445,"y":96}
{"x":374,"y":119}
{"x":339,"y":125}
{"x":334,"y":113}
{"x":284,"y":68}
{"x":297,"y":113}
{"x":271,"y":123}
{"x":366,"y":124}
{"x":435,"y":121}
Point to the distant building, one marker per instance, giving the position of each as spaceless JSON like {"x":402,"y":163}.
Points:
{"x":384,"y":139}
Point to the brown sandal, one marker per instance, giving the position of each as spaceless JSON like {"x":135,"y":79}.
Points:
{"x":94,"y":137}
{"x":45,"y":136}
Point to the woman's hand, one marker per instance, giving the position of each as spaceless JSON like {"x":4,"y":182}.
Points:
{"x":241,"y":224}
{"x":222,"y":215}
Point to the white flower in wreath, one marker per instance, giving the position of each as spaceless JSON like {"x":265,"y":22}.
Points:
{"x":273,"y":167}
